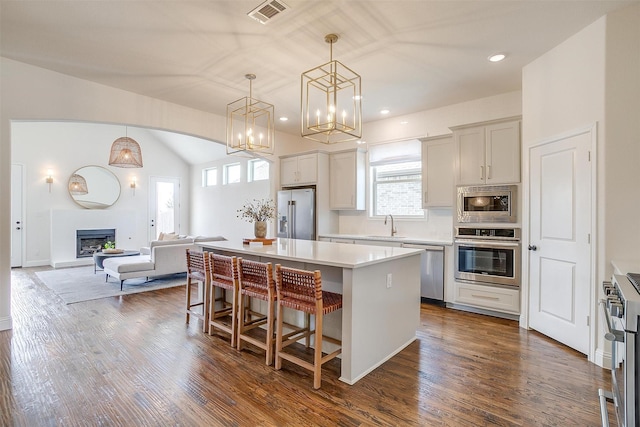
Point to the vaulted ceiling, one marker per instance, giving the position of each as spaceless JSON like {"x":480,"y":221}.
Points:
{"x":412,"y":55}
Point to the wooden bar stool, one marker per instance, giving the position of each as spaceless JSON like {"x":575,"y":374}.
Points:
{"x":198,"y":272}
{"x":255,"y":280}
{"x":302,"y":290}
{"x":224,"y":275}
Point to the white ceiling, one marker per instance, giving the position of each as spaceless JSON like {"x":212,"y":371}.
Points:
{"x":413,"y":55}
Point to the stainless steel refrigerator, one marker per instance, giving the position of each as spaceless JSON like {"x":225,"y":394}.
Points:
{"x":297,"y":214}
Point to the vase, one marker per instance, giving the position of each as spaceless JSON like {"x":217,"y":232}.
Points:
{"x":260,"y":229}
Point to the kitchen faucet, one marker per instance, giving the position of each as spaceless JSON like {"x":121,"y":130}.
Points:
{"x":393,"y":228}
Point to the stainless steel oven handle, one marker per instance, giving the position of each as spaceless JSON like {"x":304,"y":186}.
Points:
{"x":487,"y":243}
{"x":610,"y":334}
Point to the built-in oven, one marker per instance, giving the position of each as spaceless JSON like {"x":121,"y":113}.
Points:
{"x":487,"y":255}
{"x":620,"y":312}
{"x":487,"y":203}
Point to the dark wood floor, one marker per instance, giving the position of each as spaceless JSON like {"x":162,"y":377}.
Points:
{"x":132,"y":361}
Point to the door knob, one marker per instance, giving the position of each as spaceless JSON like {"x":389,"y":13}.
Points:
{"x":18,"y":228}
{"x":532,"y":247}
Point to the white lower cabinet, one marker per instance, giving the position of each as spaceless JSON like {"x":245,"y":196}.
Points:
{"x":500,"y":299}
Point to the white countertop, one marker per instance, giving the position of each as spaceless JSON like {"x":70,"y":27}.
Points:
{"x":315,"y":252}
{"x":401,"y":239}
{"x":625,"y":266}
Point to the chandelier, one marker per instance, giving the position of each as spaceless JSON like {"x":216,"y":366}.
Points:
{"x":250,"y":124}
{"x":125,"y":153}
{"x":78,"y":185}
{"x":331,"y":101}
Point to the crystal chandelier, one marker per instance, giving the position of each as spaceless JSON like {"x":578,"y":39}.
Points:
{"x":331,"y":101}
{"x":250,"y":125}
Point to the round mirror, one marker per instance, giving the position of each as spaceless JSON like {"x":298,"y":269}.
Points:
{"x":94,"y":187}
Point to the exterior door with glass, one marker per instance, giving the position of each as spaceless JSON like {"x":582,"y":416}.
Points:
{"x":164,"y":206}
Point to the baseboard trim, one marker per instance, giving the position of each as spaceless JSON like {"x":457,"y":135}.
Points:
{"x":6,"y":323}
{"x":603,"y":358}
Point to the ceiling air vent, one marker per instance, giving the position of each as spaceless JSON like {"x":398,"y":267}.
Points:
{"x":268,"y":11}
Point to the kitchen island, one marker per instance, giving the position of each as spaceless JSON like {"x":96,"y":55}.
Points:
{"x":380,"y":289}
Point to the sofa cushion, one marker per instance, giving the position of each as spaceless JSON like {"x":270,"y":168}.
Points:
{"x":129,"y":264}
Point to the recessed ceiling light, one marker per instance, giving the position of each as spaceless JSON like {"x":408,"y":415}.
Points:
{"x":404,"y":122}
{"x":359,"y":142}
{"x":497,"y":57}
{"x":284,"y":119}
{"x":385,"y":111}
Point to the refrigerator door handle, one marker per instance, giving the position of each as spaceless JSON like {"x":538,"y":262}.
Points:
{"x":292,"y":217}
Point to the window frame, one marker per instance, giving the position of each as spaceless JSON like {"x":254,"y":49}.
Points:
{"x":375,"y":182}
{"x":205,"y":176}
{"x":225,"y":173}
{"x":251,"y":170}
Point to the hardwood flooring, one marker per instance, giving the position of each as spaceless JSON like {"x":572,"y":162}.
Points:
{"x":132,"y":361}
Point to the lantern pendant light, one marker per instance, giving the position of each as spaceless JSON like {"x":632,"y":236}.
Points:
{"x":125,"y":153}
{"x":331,"y":101}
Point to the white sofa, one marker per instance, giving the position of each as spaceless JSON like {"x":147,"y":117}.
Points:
{"x":161,"y":258}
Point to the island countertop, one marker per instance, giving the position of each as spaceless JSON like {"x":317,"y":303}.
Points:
{"x":315,"y":252}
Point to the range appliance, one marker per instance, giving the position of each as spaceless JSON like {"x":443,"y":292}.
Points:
{"x":621,"y":313}
{"x":488,"y":255}
{"x":297,"y":214}
{"x":487,"y":203}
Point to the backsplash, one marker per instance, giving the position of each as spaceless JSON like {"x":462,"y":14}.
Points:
{"x":437,"y":225}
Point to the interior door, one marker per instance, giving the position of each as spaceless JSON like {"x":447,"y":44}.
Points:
{"x":559,"y":241}
{"x":16,"y":215}
{"x":164,"y":206}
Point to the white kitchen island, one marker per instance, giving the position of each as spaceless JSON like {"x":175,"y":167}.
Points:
{"x":380,"y":289}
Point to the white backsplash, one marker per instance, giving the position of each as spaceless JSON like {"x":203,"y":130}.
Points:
{"x":437,"y":225}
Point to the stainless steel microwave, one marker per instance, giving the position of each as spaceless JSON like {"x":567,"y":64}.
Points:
{"x":487,"y":203}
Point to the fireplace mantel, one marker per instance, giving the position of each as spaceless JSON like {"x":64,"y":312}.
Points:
{"x":65,"y":222}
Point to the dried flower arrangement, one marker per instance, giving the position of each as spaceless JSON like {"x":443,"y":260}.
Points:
{"x":258,"y":210}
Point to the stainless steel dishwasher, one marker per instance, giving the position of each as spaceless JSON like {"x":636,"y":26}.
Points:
{"x":431,"y":272}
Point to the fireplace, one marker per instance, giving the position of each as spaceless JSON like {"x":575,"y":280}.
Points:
{"x":89,"y":242}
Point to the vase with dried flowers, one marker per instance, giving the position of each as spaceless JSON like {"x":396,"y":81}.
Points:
{"x":258,"y":212}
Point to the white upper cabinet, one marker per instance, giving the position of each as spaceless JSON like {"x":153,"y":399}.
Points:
{"x":347,"y":180}
{"x":299,"y":170}
{"x":437,"y":172}
{"x":488,"y":153}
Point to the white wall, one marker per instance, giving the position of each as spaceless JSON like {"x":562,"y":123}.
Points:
{"x":592,"y":78}
{"x":438,"y":223}
{"x":32,"y":93}
{"x":67,"y":146}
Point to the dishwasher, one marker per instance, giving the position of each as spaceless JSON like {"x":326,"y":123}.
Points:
{"x":431,"y":273}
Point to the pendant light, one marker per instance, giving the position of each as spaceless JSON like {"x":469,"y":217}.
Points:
{"x":331,"y":101}
{"x":125,"y":153}
{"x":78,"y":185}
{"x":250,"y":125}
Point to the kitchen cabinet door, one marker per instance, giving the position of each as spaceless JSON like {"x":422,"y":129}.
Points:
{"x":470,"y":146}
{"x":346,"y":180}
{"x":503,"y":153}
{"x":299,"y":170}
{"x":437,"y":172}
{"x":488,"y":153}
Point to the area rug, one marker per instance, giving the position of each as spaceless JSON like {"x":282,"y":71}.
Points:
{"x":81,"y":284}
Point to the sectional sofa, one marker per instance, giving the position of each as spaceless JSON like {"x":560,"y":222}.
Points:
{"x":160,"y":258}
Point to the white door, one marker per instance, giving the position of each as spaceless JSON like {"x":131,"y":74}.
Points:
{"x":559,"y":241}
{"x":16,"y":215}
{"x":164,"y":206}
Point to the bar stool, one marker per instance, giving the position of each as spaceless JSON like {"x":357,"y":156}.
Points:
{"x":255,"y":280}
{"x":198,"y":272}
{"x":302,"y":290}
{"x":224,"y":275}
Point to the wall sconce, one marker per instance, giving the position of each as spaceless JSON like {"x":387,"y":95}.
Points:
{"x":49,"y":179}
{"x":133,"y":185}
